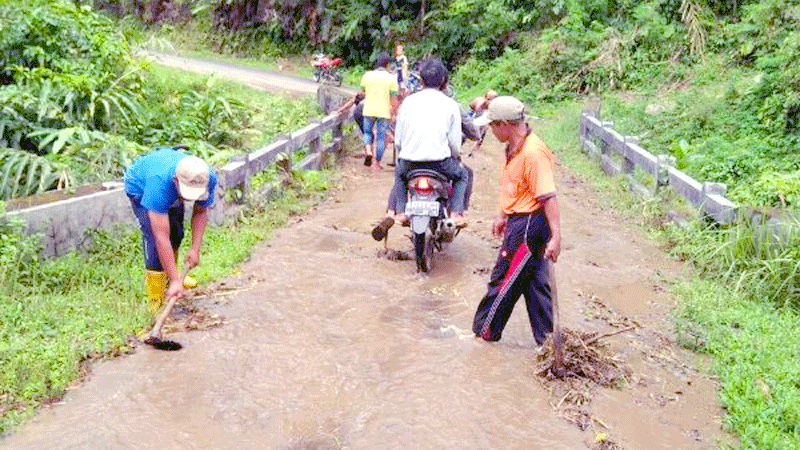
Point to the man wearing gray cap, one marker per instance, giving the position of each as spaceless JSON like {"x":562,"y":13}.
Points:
{"x":157,"y":184}
{"x":529,"y":219}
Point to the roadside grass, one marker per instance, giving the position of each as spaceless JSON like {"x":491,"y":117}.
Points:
{"x":739,"y":305}
{"x":66,"y":311}
{"x":58,"y":314}
{"x":271,"y":114}
{"x":755,"y":349}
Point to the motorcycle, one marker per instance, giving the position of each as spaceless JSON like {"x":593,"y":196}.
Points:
{"x":326,"y":69}
{"x":428,"y":214}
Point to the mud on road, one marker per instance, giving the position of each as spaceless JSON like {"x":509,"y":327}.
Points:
{"x":326,"y":344}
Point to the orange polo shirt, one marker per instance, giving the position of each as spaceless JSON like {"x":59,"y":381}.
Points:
{"x":527,"y":179}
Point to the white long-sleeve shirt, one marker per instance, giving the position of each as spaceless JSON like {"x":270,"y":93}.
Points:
{"x":428,"y":127}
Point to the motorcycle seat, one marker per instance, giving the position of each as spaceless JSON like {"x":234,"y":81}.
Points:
{"x":327,"y":62}
{"x":428,"y":173}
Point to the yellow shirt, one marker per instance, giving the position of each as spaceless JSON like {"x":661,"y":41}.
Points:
{"x":527,"y":179}
{"x":379,"y":85}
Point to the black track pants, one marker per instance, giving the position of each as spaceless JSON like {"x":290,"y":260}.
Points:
{"x":519,"y":270}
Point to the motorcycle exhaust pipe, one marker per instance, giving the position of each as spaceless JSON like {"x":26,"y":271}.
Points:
{"x":448,"y":230}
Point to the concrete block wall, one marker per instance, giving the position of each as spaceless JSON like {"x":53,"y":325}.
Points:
{"x":65,"y":224}
{"x":600,"y":141}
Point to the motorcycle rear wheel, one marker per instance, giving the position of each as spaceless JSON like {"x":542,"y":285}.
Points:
{"x":423,"y":250}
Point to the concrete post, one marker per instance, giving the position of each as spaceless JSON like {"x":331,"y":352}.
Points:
{"x":664,"y":162}
{"x":603,"y":146}
{"x":712,"y":188}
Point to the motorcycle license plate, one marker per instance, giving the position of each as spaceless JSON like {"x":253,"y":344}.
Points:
{"x":419,"y":208}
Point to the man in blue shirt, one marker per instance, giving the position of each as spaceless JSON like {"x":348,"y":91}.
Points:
{"x":158,"y":184}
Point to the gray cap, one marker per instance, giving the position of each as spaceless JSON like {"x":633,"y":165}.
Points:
{"x":505,"y":107}
{"x":193,"y":175}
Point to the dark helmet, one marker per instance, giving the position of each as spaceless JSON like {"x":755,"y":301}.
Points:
{"x":383,"y":60}
{"x":434,"y":73}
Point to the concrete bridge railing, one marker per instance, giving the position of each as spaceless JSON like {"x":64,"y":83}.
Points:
{"x":621,"y":155}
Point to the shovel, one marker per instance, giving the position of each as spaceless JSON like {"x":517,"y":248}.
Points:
{"x":558,"y":342}
{"x":155,"y":333}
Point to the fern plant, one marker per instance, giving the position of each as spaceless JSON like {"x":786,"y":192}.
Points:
{"x":23,"y":173}
{"x":695,"y":17}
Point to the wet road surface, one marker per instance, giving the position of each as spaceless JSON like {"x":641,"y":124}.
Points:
{"x":327,"y":345}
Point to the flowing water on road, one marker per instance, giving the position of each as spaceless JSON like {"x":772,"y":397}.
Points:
{"x":327,"y":345}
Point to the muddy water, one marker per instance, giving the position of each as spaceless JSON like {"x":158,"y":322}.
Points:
{"x":328,"y":346}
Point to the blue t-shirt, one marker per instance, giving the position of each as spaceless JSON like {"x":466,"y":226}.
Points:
{"x":150,"y":180}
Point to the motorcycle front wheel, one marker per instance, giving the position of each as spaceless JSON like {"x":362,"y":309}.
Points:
{"x":423,"y":250}
{"x":337,"y":79}
{"x":316,"y":75}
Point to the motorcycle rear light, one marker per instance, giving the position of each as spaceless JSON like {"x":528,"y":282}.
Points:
{"x":423,"y":185}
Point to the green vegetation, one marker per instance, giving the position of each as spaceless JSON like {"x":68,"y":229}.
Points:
{"x":740,"y":306}
{"x":729,"y":115}
{"x":755,"y":350}
{"x":77,"y":108}
{"x":714,"y":83}
{"x":57,"y":313}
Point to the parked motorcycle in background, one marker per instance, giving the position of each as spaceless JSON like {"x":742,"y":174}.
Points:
{"x":326,"y":69}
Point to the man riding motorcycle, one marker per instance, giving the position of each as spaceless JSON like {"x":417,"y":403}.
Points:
{"x":427,"y":135}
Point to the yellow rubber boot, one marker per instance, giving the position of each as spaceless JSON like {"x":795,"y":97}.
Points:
{"x":189,"y":282}
{"x":155,"y":283}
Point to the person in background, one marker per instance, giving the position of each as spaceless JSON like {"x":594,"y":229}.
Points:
{"x":157,"y":184}
{"x":530,"y":223}
{"x":480,"y":104}
{"x":477,"y":107}
{"x":381,"y":98}
{"x":401,"y":67}
{"x":358,"y":110}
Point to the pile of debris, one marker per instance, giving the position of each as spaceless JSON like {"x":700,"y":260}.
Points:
{"x":583,"y":357}
{"x":584,"y":363}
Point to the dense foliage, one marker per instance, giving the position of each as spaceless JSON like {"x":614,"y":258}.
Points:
{"x":87,"y":108}
{"x":717,"y":87}
{"x":77,"y":107}
{"x":740,"y":58}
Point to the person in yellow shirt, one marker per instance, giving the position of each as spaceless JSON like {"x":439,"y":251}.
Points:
{"x":530,"y":220}
{"x":380,"y":105}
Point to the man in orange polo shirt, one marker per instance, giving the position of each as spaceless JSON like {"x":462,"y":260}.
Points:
{"x":529,"y":217}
